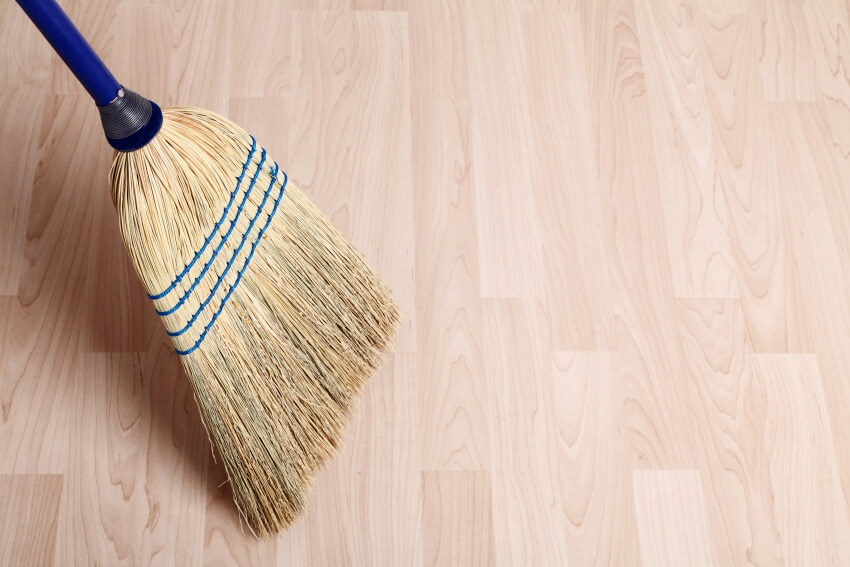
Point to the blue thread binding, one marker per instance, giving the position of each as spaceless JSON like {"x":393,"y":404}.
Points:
{"x":223,"y":240}
{"x":215,"y":229}
{"x":245,"y":236}
{"x":244,"y":267}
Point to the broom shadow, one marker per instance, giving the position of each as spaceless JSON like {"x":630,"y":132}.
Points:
{"x":111,"y":314}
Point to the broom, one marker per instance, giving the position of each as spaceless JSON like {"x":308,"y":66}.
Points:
{"x":277,"y":319}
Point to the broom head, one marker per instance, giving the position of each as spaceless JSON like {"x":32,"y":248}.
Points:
{"x":276,"y":317}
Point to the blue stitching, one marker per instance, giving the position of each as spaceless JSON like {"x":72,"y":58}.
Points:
{"x":239,"y":274}
{"x":230,"y":263}
{"x":223,"y":240}
{"x":215,"y":230}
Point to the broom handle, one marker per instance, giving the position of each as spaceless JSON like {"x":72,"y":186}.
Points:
{"x":72,"y":47}
{"x":129,"y":120}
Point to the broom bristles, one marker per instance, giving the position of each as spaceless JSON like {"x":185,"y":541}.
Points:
{"x":278,"y":319}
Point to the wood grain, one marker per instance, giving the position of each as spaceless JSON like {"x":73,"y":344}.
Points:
{"x":186,"y":59}
{"x":575,"y":287}
{"x":784,"y":51}
{"x":612,"y":50}
{"x":458,"y":518}
{"x":827,"y":24}
{"x":28,"y":518}
{"x":510,"y":242}
{"x":529,"y":518}
{"x":619,"y":232}
{"x":27,"y":63}
{"x":44,"y":318}
{"x":728,"y":404}
{"x":380,"y":4}
{"x":455,"y":400}
{"x":647,"y":355}
{"x":262,"y":50}
{"x":819,"y":247}
{"x":694,"y":207}
{"x":671,"y":518}
{"x":746,"y":178}
{"x":804,"y":477}
{"x":139,"y":410}
{"x":595,"y":477}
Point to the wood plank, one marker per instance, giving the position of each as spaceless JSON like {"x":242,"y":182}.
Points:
{"x":380,"y":4}
{"x":19,"y":157}
{"x":439,"y":68}
{"x":322,"y":5}
{"x":811,"y":168}
{"x":648,"y":366}
{"x":671,"y":518}
{"x":614,"y":65}
{"x":694,"y":207}
{"x":134,"y":453}
{"x":745,"y":177}
{"x":728,"y":405}
{"x":575,"y":288}
{"x":784,"y":50}
{"x":547,"y":6}
{"x":48,"y":315}
{"x":719,"y":7}
{"x":455,"y":397}
{"x":28,"y":518}
{"x":529,"y":515}
{"x":827,"y":24}
{"x":262,"y":51}
{"x":186,"y":48}
{"x":502,"y":147}
{"x":458,"y":518}
{"x":23,"y":88}
{"x":810,"y":507}
{"x":28,"y":58}
{"x":595,"y":475}
{"x":755,"y":406}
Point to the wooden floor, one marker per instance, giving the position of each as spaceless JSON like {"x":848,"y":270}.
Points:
{"x":619,"y":231}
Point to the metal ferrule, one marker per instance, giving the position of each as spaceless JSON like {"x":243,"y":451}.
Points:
{"x":128,"y":113}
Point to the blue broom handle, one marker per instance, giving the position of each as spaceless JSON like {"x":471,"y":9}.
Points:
{"x":72,"y":47}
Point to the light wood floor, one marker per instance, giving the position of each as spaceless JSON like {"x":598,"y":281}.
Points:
{"x":619,"y":231}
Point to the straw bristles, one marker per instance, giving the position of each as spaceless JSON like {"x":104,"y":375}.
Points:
{"x":280,"y":319}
